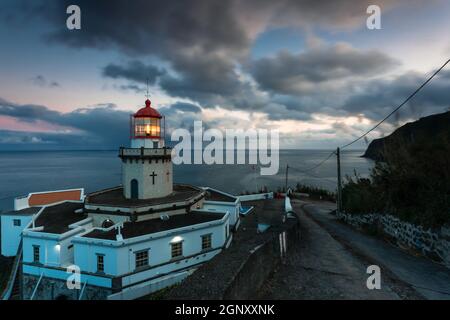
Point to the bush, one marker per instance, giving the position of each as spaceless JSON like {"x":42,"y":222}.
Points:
{"x":315,"y":192}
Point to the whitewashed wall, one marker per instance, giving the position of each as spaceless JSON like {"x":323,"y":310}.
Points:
{"x":221,"y":207}
{"x":49,"y":253}
{"x":258,"y":196}
{"x":141,"y":172}
{"x":121,"y":260}
{"x":11,"y":234}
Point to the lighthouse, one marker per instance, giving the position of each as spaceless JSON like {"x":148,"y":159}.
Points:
{"x":147,"y":165}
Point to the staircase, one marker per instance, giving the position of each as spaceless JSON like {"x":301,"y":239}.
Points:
{"x":12,"y":290}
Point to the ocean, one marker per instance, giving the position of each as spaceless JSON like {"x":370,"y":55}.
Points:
{"x":29,"y":171}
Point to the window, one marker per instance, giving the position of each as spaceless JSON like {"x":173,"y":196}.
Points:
{"x":36,"y":254}
{"x":100,"y":263}
{"x":17,"y":222}
{"x":206,"y":241}
{"x":141,"y":259}
{"x":177,"y":249}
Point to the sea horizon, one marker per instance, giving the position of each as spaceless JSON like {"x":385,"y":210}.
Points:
{"x":24,"y":171}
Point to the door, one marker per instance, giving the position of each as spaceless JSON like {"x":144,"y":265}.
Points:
{"x":134,"y":189}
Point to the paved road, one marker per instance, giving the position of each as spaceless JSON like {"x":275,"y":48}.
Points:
{"x":429,"y":279}
{"x":322,"y":268}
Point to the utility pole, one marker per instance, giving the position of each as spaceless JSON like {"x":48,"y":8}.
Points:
{"x":286,"y":183}
{"x":339,"y":191}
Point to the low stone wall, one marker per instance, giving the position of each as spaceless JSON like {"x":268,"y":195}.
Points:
{"x":54,"y":289}
{"x":262,"y":261}
{"x":431,"y":243}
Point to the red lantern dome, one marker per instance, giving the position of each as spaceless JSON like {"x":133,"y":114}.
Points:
{"x":146,"y":124}
{"x":147,"y":111}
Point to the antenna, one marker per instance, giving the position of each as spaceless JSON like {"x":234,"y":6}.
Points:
{"x":147,"y":95}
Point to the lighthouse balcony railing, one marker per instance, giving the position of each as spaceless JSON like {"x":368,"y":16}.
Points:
{"x":144,"y":151}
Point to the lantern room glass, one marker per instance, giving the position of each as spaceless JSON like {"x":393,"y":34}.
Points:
{"x":147,"y":127}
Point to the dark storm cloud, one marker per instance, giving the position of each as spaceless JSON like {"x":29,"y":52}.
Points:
{"x":99,"y":126}
{"x":185,"y":107}
{"x":381,"y":96}
{"x":205,"y":45}
{"x":151,"y":27}
{"x":28,"y":112}
{"x":196,"y":78}
{"x":299,"y":73}
{"x":202,"y":41}
{"x":134,"y":71}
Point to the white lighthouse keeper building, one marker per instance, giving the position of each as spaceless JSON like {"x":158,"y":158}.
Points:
{"x":147,"y":165}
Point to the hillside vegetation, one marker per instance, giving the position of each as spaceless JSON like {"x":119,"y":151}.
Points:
{"x":411,"y":178}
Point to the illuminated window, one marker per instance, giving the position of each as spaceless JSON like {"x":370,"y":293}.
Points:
{"x":17,"y":222}
{"x":147,"y":127}
{"x":177,"y":249}
{"x":206,"y":241}
{"x":36,"y":254}
{"x":141,"y":259}
{"x":100,"y":263}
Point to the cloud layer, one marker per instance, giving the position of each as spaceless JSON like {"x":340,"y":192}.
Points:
{"x":199,"y":54}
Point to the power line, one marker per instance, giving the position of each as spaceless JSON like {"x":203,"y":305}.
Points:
{"x":385,"y":118}
{"x":401,"y":105}
{"x":320,"y":163}
{"x":311,"y":175}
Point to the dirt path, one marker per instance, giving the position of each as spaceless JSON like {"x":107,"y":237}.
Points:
{"x":323,"y":268}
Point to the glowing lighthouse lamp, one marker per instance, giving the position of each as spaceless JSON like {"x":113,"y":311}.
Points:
{"x":146,"y":128}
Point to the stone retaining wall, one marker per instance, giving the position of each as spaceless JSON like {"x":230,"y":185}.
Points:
{"x":262,"y":261}
{"x":431,"y":243}
{"x":55,"y":289}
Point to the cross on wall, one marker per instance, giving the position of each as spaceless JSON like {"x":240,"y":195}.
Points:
{"x":153,"y":175}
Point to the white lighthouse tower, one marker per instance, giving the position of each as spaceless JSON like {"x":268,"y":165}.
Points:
{"x":147,"y":165}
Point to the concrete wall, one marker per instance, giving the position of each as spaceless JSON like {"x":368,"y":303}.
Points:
{"x":11,"y":234}
{"x":435,"y":244}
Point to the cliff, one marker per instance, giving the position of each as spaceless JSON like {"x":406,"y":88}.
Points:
{"x":426,"y":129}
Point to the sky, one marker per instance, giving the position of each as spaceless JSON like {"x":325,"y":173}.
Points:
{"x":311,"y":69}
